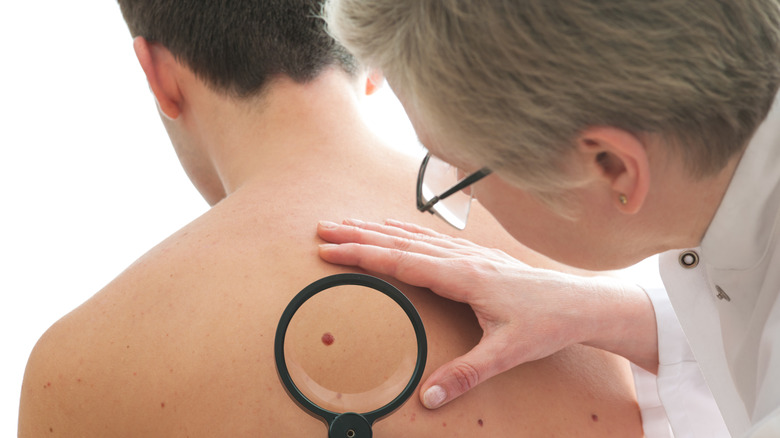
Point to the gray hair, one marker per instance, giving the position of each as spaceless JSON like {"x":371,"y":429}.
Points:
{"x":511,"y":83}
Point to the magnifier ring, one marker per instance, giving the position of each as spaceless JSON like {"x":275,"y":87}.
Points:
{"x":353,"y":279}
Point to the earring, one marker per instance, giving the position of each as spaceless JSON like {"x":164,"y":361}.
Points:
{"x":623,"y":199}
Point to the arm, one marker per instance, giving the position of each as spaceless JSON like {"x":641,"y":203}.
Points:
{"x":50,"y":390}
{"x":526,"y":313}
{"x":678,"y":395}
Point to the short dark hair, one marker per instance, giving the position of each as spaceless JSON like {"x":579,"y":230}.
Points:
{"x":237,"y":46}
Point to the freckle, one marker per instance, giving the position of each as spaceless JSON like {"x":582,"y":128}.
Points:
{"x":414,"y":417}
{"x":338,"y":395}
{"x":162,"y":405}
{"x":594,"y":417}
{"x":78,"y":380}
{"x":444,"y":425}
{"x":128,"y":346}
{"x":51,"y":430}
{"x":328,"y":339}
{"x":135,"y":374}
{"x":480,"y":422}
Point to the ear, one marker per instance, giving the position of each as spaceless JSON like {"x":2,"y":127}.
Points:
{"x":620,"y":159}
{"x":159,"y":67}
{"x":374,"y":81}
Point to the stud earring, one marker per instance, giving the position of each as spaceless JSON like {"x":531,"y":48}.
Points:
{"x":623,"y":199}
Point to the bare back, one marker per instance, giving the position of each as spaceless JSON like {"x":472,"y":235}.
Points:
{"x":181,"y":343}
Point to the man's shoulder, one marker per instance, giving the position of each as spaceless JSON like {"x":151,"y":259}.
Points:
{"x":127,"y":352}
{"x":57,"y":382}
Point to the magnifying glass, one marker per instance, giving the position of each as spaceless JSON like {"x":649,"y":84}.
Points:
{"x":345,"y":366}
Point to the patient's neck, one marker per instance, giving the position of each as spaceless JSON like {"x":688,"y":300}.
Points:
{"x":276,"y":135}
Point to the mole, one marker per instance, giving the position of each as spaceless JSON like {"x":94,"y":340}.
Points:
{"x":328,"y":339}
{"x":480,"y":422}
{"x":594,"y":417}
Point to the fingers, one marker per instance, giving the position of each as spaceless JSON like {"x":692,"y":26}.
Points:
{"x":441,"y":275}
{"x":457,"y":377}
{"x":405,"y":230}
{"x":353,"y":231}
{"x":416,"y":229}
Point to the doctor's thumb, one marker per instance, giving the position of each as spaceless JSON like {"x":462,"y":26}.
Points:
{"x":457,"y":380}
{"x":457,"y":377}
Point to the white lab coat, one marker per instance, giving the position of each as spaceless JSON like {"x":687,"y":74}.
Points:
{"x":728,"y":308}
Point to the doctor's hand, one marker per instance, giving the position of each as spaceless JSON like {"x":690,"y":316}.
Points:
{"x":525,"y":313}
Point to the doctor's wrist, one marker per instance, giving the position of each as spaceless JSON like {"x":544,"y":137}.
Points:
{"x":623,"y":322}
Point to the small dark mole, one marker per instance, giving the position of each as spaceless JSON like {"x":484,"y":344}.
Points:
{"x":162,"y":405}
{"x":480,"y":422}
{"x":47,"y":385}
{"x":328,"y":339}
{"x":594,"y":417}
{"x":51,"y":430}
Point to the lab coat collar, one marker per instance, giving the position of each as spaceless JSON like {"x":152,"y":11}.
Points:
{"x":740,"y":232}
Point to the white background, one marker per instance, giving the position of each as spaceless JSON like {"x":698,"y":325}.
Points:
{"x":88,"y":179}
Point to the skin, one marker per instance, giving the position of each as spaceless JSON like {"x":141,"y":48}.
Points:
{"x":181,"y":343}
{"x":529,"y":313}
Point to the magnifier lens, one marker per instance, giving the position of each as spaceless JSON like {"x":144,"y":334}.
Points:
{"x":350,"y":349}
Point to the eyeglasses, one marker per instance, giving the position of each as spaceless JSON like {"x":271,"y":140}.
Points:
{"x":454,"y":202}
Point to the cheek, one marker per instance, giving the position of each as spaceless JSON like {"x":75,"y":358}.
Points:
{"x":521,"y":215}
{"x":507,"y":204}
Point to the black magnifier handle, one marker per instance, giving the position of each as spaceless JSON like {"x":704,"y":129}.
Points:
{"x":350,"y":425}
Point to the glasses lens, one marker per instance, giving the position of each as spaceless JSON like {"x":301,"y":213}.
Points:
{"x":439,"y":177}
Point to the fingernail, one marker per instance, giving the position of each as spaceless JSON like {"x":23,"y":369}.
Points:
{"x":434,"y":397}
{"x":328,"y":225}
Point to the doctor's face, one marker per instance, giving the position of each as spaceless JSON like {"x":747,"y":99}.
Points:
{"x":586,"y":241}
{"x":589,"y":240}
